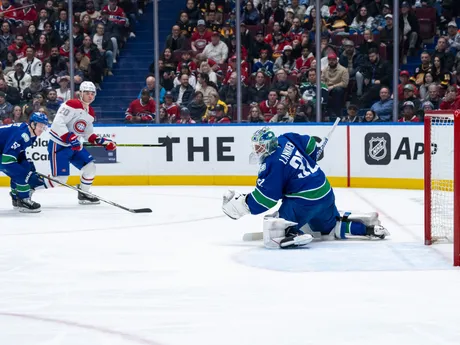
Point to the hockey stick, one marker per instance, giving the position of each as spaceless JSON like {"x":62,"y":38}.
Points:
{"x":326,"y":138}
{"x":128,"y":145}
{"x":253,"y":236}
{"x":257,"y":236}
{"x":136,"y":210}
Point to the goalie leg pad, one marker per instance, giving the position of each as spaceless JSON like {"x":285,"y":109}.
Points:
{"x":274,"y":233}
{"x":359,"y":225}
{"x":370,"y":218}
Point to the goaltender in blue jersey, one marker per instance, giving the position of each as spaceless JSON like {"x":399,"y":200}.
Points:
{"x":289,"y":172}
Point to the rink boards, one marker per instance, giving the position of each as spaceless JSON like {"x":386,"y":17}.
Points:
{"x":379,"y":156}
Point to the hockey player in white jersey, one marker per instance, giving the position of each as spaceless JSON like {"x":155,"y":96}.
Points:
{"x":74,"y":120}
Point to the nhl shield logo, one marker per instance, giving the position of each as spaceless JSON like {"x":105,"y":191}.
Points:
{"x":377,"y":148}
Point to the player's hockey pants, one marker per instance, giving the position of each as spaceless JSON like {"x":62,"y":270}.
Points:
{"x":19,"y":186}
{"x":321,"y":216}
{"x":62,"y":156}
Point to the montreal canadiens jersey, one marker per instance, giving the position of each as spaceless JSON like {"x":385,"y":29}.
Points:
{"x":290,"y":172}
{"x":72,"y":118}
{"x":14,"y":140}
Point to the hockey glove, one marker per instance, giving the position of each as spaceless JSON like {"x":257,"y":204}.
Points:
{"x":234,"y":204}
{"x":34,"y":180}
{"x":75,"y":144}
{"x":108,"y":144}
{"x":31,"y":165}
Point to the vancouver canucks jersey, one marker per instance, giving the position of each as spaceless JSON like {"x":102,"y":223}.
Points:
{"x":14,"y":140}
{"x":290,"y":172}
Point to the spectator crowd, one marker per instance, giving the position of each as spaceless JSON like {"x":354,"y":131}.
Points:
{"x":35,"y":46}
{"x":197,"y":68}
{"x":198,"y":75}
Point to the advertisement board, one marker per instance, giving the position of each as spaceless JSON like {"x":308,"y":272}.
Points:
{"x":357,"y":155}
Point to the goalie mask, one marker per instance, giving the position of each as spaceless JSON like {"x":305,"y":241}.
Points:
{"x":264,"y":142}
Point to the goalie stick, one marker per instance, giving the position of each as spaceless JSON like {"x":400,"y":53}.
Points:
{"x":135,"y":210}
{"x":257,"y":236}
{"x":326,"y":139}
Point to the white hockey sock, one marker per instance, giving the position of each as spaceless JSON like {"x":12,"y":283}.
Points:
{"x":88,"y":172}
{"x":85,"y":183}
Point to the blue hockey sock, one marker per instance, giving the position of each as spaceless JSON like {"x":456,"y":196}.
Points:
{"x":352,"y":228}
{"x":22,"y":191}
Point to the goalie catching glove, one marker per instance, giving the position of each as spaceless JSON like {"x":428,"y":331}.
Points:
{"x":108,"y":144}
{"x":234,"y":205}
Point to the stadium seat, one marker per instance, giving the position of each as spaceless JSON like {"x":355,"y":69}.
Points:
{"x":357,"y":39}
{"x":293,"y":79}
{"x":224,"y":68}
{"x":21,"y":30}
{"x":427,"y":20}
{"x":383,"y":52}
{"x":244,"y":112}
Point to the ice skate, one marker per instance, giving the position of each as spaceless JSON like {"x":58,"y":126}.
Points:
{"x":14,"y":201}
{"x":27,"y":205}
{"x":84,"y":199}
{"x":377,"y":231}
{"x":296,"y":241}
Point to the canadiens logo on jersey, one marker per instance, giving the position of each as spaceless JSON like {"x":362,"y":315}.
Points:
{"x":80,"y":126}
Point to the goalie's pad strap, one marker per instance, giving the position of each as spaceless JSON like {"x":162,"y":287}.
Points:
{"x":344,"y":217}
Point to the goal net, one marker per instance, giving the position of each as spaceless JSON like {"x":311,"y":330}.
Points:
{"x":441,"y":205}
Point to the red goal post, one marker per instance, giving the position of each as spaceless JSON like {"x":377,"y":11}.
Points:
{"x":442,"y":179}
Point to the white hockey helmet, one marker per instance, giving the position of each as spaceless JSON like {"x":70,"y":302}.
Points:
{"x":88,"y":86}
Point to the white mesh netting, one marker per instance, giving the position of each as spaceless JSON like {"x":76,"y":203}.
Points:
{"x":442,"y":178}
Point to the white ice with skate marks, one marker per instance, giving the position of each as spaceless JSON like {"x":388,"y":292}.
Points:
{"x":79,"y":275}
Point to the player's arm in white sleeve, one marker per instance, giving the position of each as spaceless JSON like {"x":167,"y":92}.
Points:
{"x":96,"y":139}
{"x":59,"y":128}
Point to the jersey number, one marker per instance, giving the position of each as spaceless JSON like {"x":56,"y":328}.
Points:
{"x":64,"y":111}
{"x":11,"y":124}
{"x":15,"y":146}
{"x":297,"y":162}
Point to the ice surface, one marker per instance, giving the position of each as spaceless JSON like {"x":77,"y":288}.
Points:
{"x":97,"y":275}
